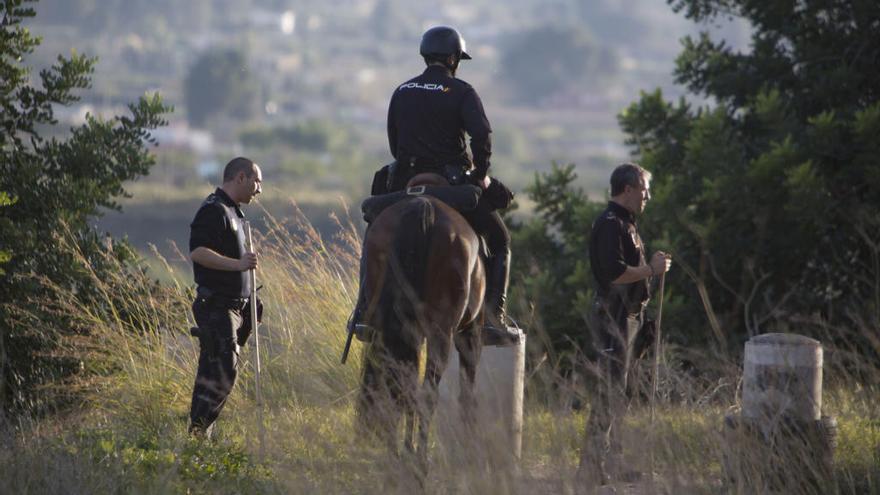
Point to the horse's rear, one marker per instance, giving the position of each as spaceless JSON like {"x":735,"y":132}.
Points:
{"x":424,"y":283}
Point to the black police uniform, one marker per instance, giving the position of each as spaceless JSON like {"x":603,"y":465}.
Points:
{"x":615,"y":244}
{"x":427,"y":120}
{"x":220,"y":308}
{"x":615,"y":321}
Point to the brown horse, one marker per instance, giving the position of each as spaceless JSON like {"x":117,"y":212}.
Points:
{"x":424,"y":282}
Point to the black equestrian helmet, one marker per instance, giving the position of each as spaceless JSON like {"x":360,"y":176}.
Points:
{"x":443,"y":40}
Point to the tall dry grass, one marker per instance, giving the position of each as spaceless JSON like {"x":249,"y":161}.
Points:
{"x":129,"y":435}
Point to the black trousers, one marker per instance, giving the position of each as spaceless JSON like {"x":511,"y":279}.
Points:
{"x":218,"y":360}
{"x":487,"y":222}
{"x":614,"y":332}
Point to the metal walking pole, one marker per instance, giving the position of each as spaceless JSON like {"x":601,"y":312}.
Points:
{"x":654,"y":379}
{"x":657,"y":336}
{"x":253,"y":316}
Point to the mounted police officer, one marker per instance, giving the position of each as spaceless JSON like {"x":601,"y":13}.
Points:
{"x":428,"y":118}
{"x":623,"y":276}
{"x":220,"y":265}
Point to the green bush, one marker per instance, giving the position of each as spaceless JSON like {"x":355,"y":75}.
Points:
{"x":58,"y":183}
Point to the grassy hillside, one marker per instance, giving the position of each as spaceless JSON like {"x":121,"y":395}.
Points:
{"x":128,"y":434}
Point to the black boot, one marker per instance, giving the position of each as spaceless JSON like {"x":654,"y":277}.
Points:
{"x":496,"y":331}
{"x":362,"y":331}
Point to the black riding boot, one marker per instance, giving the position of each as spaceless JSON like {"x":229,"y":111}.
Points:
{"x":496,"y":331}
{"x":362,"y":331}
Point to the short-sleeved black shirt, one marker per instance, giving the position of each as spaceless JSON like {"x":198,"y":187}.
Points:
{"x":428,"y":117}
{"x":615,"y":244}
{"x":218,"y":226}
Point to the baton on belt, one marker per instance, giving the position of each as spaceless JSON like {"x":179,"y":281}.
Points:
{"x":252,"y":273}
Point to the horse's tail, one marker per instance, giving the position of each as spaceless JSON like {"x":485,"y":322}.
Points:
{"x":409,"y":259}
{"x":391,"y":367}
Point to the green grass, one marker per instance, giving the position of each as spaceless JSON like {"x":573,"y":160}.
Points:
{"x":129,"y":433}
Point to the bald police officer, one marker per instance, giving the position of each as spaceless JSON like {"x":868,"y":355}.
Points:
{"x":220,"y":265}
{"x":622,"y":274}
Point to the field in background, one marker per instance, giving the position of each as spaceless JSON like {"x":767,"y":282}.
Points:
{"x":159,"y":214}
{"x":129,"y":435}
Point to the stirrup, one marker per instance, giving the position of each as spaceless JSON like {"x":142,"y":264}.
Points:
{"x":364,"y":332}
{"x":361,"y":331}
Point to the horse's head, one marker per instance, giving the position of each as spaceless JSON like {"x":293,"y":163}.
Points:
{"x":427,"y":179}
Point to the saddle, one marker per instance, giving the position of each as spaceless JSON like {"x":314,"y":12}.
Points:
{"x":462,"y":198}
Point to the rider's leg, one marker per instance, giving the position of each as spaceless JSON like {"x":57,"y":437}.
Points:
{"x":498,"y":271}
{"x":489,"y":224}
{"x":355,"y":323}
{"x":498,"y":276}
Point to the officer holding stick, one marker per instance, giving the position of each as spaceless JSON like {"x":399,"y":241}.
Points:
{"x":223,"y":270}
{"x":623,"y":275}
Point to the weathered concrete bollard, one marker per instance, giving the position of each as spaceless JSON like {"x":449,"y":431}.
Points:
{"x":782,"y":377}
{"x":781,"y":437}
{"x":499,"y":391}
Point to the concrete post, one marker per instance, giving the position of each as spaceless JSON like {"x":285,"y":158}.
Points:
{"x":499,"y":390}
{"x":782,"y":377}
{"x":781,"y":441}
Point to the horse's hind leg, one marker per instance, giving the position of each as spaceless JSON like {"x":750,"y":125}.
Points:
{"x":437,"y":359}
{"x":406,"y":387}
{"x":469,"y":347}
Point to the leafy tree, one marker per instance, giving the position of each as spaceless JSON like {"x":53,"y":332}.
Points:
{"x":768,"y":197}
{"x":5,"y":255}
{"x":220,"y":84}
{"x":57,"y":185}
{"x":550,"y":265}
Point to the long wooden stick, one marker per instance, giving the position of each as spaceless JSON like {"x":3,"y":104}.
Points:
{"x":253,"y":316}
{"x":657,"y":336}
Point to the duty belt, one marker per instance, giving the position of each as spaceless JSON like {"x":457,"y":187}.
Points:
{"x":220,"y":299}
{"x":419,"y":162}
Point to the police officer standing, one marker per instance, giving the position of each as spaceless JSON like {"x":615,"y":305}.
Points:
{"x":428,"y":118}
{"x":220,"y":266}
{"x":618,"y":262}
